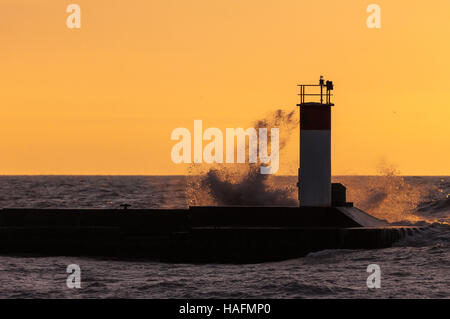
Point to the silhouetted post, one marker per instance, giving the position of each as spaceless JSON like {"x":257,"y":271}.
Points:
{"x":314,"y":175}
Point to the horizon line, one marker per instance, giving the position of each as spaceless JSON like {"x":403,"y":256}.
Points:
{"x":183,"y":175}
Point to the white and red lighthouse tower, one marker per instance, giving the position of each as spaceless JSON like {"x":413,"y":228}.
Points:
{"x":314,"y":175}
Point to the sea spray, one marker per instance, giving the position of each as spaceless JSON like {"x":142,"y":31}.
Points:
{"x":387,"y":196}
{"x":242,"y":184}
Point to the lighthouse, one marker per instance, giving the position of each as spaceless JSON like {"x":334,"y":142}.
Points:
{"x":314,"y":174}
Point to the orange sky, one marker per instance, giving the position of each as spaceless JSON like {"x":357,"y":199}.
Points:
{"x":104,"y":99}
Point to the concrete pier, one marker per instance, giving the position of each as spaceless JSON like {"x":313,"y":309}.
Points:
{"x":198,"y":234}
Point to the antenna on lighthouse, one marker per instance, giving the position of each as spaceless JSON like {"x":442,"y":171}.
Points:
{"x":314,"y":173}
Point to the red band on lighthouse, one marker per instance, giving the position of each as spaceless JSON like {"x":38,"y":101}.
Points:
{"x":315,"y":116}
